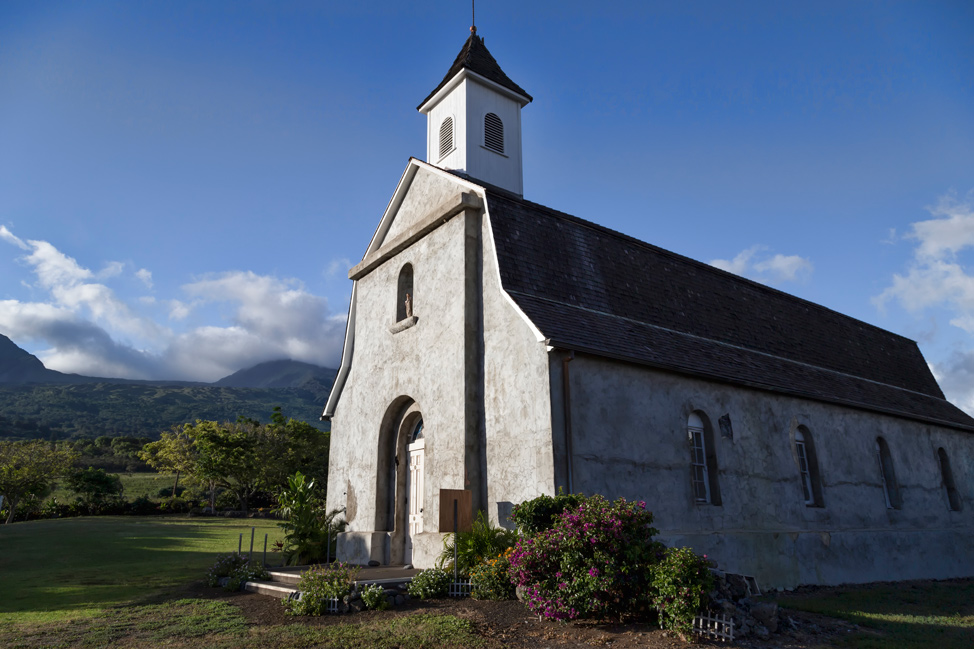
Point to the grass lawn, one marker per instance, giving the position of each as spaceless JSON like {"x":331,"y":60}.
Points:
{"x":899,"y":616}
{"x":105,"y":581}
{"x":135,"y":485}
{"x":66,"y":568}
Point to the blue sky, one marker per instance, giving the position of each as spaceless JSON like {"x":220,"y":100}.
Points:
{"x":183,"y":185}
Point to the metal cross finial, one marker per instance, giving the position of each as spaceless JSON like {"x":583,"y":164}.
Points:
{"x":473,"y":17}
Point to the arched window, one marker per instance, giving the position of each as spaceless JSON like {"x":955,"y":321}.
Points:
{"x":703,"y":460}
{"x":493,"y":133}
{"x":891,"y":488}
{"x":953,"y":496}
{"x":404,"y":294}
{"x":417,"y":433}
{"x":446,"y":136}
{"x":808,"y":467}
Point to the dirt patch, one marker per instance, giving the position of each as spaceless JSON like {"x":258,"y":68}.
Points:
{"x":511,"y":624}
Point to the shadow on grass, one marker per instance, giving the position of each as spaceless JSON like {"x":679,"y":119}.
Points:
{"x":909,"y":614}
{"x":79,"y":563}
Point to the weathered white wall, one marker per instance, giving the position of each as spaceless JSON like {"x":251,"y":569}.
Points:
{"x":424,"y":363}
{"x":517,"y":414}
{"x":630,"y":440}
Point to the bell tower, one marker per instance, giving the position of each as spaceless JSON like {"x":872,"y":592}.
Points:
{"x":474,"y":119}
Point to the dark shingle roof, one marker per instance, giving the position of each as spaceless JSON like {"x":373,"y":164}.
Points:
{"x":591,"y":289}
{"x":475,"y":57}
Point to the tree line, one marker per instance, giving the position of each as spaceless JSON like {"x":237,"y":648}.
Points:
{"x":242,"y":457}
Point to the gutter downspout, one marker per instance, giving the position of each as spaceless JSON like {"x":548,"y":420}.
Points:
{"x":567,"y":403}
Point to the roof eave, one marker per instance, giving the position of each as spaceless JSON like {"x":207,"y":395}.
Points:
{"x":465,"y":73}
{"x":553,"y":344}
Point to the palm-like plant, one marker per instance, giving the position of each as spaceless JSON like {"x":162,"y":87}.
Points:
{"x":309,"y":530}
{"x":483,"y":541}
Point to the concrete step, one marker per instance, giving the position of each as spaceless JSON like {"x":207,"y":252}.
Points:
{"x":284,"y":581}
{"x":270,"y":588}
{"x":283,"y":577}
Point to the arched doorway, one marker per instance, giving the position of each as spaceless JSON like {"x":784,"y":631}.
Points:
{"x":400,"y":480}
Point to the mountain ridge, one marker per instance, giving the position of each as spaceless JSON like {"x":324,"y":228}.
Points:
{"x":37,"y":402}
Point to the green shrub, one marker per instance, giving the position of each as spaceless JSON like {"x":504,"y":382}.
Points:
{"x":681,"y":582}
{"x":248,"y":571}
{"x":482,"y":542}
{"x":541,"y":513}
{"x":595,"y":562}
{"x":374,"y":598}
{"x":143,"y":506}
{"x":491,"y":579}
{"x":310,"y":533}
{"x":320,"y":584}
{"x":430,"y":584}
{"x":224,"y":567}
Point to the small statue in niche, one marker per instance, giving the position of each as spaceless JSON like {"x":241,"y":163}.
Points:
{"x":409,"y":306}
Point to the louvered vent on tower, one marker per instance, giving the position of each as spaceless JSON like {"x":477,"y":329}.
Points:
{"x":446,"y":136}
{"x":493,"y":133}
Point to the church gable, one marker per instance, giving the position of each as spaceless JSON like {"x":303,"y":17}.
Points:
{"x":427,"y":193}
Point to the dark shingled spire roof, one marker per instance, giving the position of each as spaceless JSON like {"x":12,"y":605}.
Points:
{"x":475,"y":57}
{"x":590,"y":289}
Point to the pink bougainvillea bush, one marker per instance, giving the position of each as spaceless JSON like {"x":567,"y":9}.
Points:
{"x":596,"y":561}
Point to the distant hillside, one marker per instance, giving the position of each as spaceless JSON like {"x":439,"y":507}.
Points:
{"x":19,"y":366}
{"x":280,"y":374}
{"x":36,"y":402}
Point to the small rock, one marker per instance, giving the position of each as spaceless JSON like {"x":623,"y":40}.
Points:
{"x":356,"y":605}
{"x":767,"y":614}
{"x":373,"y":563}
{"x":400,"y":600}
{"x":408,"y":566}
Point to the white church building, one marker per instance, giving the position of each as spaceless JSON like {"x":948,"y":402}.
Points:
{"x":509,"y":349}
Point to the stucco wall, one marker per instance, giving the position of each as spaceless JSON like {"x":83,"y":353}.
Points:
{"x":517,"y":414}
{"x":422,"y":364}
{"x":630,"y":439}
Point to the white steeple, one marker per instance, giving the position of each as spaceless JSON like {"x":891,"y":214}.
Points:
{"x":474,"y":119}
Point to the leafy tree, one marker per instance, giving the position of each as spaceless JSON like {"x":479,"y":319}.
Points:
{"x":95,"y":487}
{"x":229,"y":454}
{"x":244,"y":457}
{"x":29,"y":468}
{"x":174,"y":452}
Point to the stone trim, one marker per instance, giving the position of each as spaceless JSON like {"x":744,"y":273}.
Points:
{"x":403,"y":324}
{"x":447,"y":210}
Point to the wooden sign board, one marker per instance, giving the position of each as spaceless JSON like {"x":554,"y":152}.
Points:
{"x":464,"y":500}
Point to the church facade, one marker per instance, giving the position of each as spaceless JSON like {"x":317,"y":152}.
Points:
{"x":505,"y":348}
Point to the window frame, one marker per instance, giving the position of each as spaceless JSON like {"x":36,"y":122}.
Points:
{"x":891,"y":488}
{"x":703,"y":460}
{"x":954,"y":502}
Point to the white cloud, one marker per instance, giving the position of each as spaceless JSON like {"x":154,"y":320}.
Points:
{"x":338,"y":267}
{"x":784,"y":268}
{"x":956,"y":378}
{"x":112,"y":269}
{"x":754,"y":263}
{"x":91,"y":330}
{"x":936,"y":276}
{"x":9,"y":237}
{"x":145,"y":276}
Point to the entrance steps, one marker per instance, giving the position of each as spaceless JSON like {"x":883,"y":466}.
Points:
{"x":283,"y":583}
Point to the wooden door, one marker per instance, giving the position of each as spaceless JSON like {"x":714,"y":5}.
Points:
{"x":414,"y":494}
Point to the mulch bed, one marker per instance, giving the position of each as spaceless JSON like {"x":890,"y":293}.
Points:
{"x":511,"y":624}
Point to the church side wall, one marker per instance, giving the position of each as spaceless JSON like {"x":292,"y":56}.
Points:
{"x":517,"y":415}
{"x":423,"y":363}
{"x":630,"y":439}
